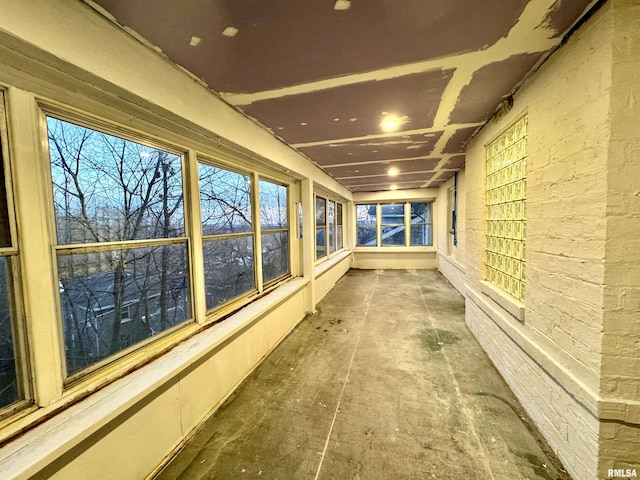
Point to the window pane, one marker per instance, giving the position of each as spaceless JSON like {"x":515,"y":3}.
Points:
{"x":9,"y":390}
{"x":5,"y":234}
{"x":392,"y":214}
{"x":421,"y":234}
{"x":107,"y":188}
{"x":421,"y":230}
{"x":321,"y":211}
{"x":228,"y":269}
{"x":332,"y":239}
{"x":321,"y":248}
{"x":393,"y":235}
{"x":114,"y":299}
{"x":339,"y":239}
{"x":275,"y":255}
{"x":273,"y":205}
{"x":332,"y":213}
{"x":331,"y":220}
{"x":421,"y":212}
{"x":225,"y":201}
{"x":366,"y":219}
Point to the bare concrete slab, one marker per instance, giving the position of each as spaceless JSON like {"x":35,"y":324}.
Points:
{"x":383,"y":382}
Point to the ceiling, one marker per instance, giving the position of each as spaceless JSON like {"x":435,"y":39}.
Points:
{"x":360,"y":87}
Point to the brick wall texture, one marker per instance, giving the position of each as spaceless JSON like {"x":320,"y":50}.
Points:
{"x":574,"y":362}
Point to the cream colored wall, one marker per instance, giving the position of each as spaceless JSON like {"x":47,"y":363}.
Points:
{"x":581,"y":205}
{"x":389,"y":257}
{"x":147,"y":430}
{"x":450,"y":258}
{"x":394,"y":260}
{"x":57,"y":52}
{"x":620,"y":380}
{"x":329,"y":272}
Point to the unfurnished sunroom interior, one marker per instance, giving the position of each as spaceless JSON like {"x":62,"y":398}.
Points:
{"x":184,"y":182}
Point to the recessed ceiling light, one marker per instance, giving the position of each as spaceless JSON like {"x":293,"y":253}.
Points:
{"x":342,"y":5}
{"x":393,"y":187}
{"x":391,"y":122}
{"x":230,"y":32}
{"x":392,"y":172}
{"x":195,"y":41}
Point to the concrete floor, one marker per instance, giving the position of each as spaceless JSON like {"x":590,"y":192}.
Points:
{"x":383,"y":382}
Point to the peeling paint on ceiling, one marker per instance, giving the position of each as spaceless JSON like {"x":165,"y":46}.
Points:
{"x":322,"y":79}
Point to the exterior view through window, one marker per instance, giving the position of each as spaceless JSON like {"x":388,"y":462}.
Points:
{"x":321,"y":227}
{"x":228,"y":238}
{"x":339,"y":231}
{"x":274,"y":230}
{"x":331,"y":221}
{"x":10,"y":387}
{"x":421,"y":224}
{"x":392,"y":224}
{"x":121,"y":248}
{"x":329,"y":234}
{"x":366,"y":221}
{"x":401,"y":224}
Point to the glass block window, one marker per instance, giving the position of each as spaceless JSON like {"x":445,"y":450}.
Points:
{"x":505,"y":222}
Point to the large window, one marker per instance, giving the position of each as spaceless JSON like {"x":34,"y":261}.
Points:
{"x":12,"y":372}
{"x":122,"y":252}
{"x":274,"y":227}
{"x":505,"y":222}
{"x":394,"y":224}
{"x":421,"y":224}
{"x":227,"y":230}
{"x":366,"y":216}
{"x":321,"y":227}
{"x":329,"y":231}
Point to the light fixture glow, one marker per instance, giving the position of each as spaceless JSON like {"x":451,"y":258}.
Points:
{"x":393,"y":187}
{"x":393,"y":171}
{"x":195,"y":41}
{"x":342,"y":5}
{"x":391,"y":122}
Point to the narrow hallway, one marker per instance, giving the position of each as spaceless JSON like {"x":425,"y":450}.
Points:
{"x":385,"y":381}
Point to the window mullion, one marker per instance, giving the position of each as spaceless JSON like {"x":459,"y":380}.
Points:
{"x":34,"y":219}
{"x":192,"y":195}
{"x":378,"y":225}
{"x":257,"y":238}
{"x":407,"y":224}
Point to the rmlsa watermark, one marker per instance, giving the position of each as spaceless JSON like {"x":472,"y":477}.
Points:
{"x":622,"y":473}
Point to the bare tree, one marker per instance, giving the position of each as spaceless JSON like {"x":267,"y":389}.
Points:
{"x":109,"y":189}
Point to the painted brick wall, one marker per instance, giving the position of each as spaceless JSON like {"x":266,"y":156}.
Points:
{"x":620,"y":381}
{"x":450,"y":258}
{"x":552,"y":360}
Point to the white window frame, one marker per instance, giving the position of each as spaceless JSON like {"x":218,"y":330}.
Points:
{"x":406,"y":223}
{"x":338,"y":204}
{"x":59,"y":250}
{"x":12,"y":253}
